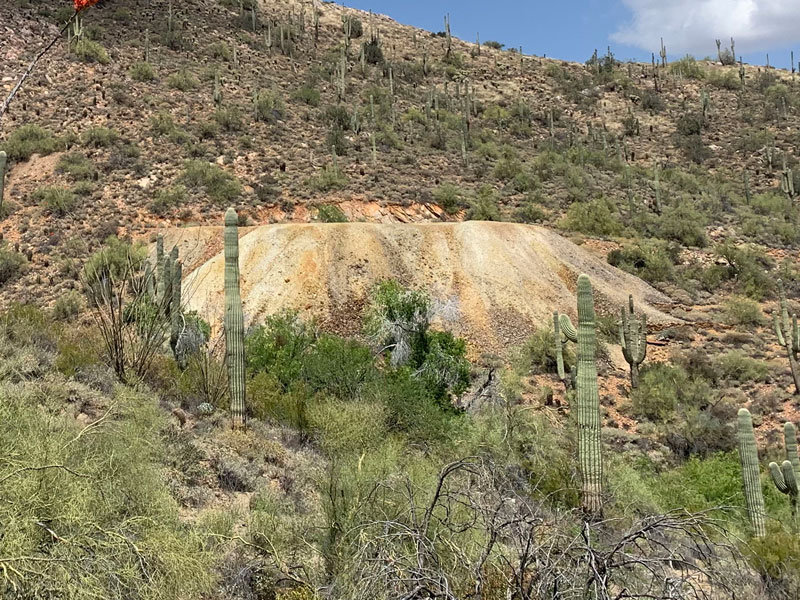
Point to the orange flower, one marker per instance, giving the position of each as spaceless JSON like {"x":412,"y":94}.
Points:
{"x":81,"y":4}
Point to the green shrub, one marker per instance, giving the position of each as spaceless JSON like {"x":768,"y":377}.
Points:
{"x":168,"y":199}
{"x":89,"y":51}
{"x":268,"y":106}
{"x":336,"y":141}
{"x":529,"y":212}
{"x":651,"y":260}
{"x":268,"y":400}
{"x":67,"y":306}
{"x":22,"y":143}
{"x":739,"y":310}
{"x":183,"y":80}
{"x":450,"y":197}
{"x":688,"y":67}
{"x":142,"y":71}
{"x":56,"y":200}
{"x":596,"y":217}
{"x":307,"y":94}
{"x":220,"y":50}
{"x":726,"y":80}
{"x":12,"y":264}
{"x":331,"y":213}
{"x":748,"y":266}
{"x":220,"y":186}
{"x":539,"y":352}
{"x":493,"y":44}
{"x":338,"y":367}
{"x":99,"y":137}
{"x":279,"y":347}
{"x":736,"y":367}
{"x":682,"y":223}
{"x":776,"y":557}
{"x":115,"y":259}
{"x":663,"y":388}
{"x":330,"y":178}
{"x":484,"y":206}
{"x":162,"y":124}
{"x":77,"y":165}
{"x":229,"y":119}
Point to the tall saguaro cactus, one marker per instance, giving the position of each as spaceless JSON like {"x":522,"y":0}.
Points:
{"x":633,"y":339}
{"x":3,"y":162}
{"x":234,"y":321}
{"x":788,"y":336}
{"x":787,"y":475}
{"x":587,"y":400}
{"x":748,"y":455}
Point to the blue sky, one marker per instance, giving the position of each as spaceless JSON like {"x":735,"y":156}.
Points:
{"x":572,"y":29}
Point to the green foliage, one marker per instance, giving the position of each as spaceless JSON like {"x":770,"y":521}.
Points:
{"x":115,"y":259}
{"x":662,"y":389}
{"x":329,"y":178}
{"x":539,"y":352}
{"x":183,"y":80}
{"x":90,"y":51}
{"x":748,"y":266}
{"x":682,"y":223}
{"x":268,"y":106}
{"x":12,"y":263}
{"x":493,"y":44}
{"x":307,"y":94}
{"x":596,"y":217}
{"x":76,"y":165}
{"x":338,"y":367}
{"x":56,"y":200}
{"x":688,"y":67}
{"x":737,"y":367}
{"x":352,"y":26}
{"x":168,"y":199}
{"x":22,"y":143}
{"x":739,"y":310}
{"x":99,"y":137}
{"x":278,"y":347}
{"x":651,"y":260}
{"x":67,"y":306}
{"x":776,"y":557}
{"x":450,"y":197}
{"x":331,"y":213}
{"x":229,"y":119}
{"x":268,"y":400}
{"x":221,"y":187}
{"x":162,"y":124}
{"x":484,"y":206}
{"x":142,"y":71}
{"x":127,"y":499}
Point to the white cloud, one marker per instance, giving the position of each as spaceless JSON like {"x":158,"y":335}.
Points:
{"x":693,"y":25}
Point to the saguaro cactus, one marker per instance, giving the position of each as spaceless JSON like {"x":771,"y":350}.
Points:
{"x":588,"y":402}
{"x":159,"y":268}
{"x":3,"y":162}
{"x":234,"y":321}
{"x":633,"y":339}
{"x":748,"y":455}
{"x":788,"y":336}
{"x":175,"y":313}
{"x":786,"y":476}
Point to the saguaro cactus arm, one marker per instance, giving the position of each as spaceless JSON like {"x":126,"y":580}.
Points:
{"x":567,"y":328}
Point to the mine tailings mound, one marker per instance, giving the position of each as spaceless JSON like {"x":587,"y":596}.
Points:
{"x":496,"y":282}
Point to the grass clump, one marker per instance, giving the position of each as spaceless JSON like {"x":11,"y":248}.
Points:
{"x":90,"y":51}
{"x":220,"y":186}
{"x":12,"y":264}
{"x":142,"y":71}
{"x":76,"y":165}
{"x":56,"y":200}
{"x":307,"y":94}
{"x":268,"y":106}
{"x":168,"y":199}
{"x":99,"y":137}
{"x":183,"y":80}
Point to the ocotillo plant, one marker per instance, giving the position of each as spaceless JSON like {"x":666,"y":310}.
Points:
{"x":234,"y":321}
{"x":788,"y":335}
{"x":748,"y":455}
{"x":633,"y":339}
{"x":587,"y":401}
{"x":786,"y":476}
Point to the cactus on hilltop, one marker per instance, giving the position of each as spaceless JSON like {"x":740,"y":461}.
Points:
{"x":234,"y":321}
{"x":633,"y":339}
{"x":788,"y":335}
{"x":748,"y":455}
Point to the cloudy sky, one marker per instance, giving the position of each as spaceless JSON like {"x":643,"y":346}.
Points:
{"x":572,"y":29}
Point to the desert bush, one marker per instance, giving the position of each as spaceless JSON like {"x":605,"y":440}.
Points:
{"x":682,"y":223}
{"x":329,"y":178}
{"x":12,"y":263}
{"x":90,"y":51}
{"x":229,"y":119}
{"x":268,"y":106}
{"x":67,"y":306}
{"x":539,"y":352}
{"x":183,"y":80}
{"x":99,"y":137}
{"x":651,"y":260}
{"x":596,"y":217}
{"x":493,"y":44}
{"x":22,"y":143}
{"x":331,"y":213}
{"x":450,"y":197}
{"x":168,"y":198}
{"x":307,"y":94}
{"x":56,"y":200}
{"x":352,"y":26}
{"x":738,"y":310}
{"x":484,"y":206}
{"x":221,"y":187}
{"x":142,"y":71}
{"x":736,"y":367}
{"x":688,"y":67}
{"x":162,"y":124}
{"x":77,"y":165}
{"x":279,"y":346}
